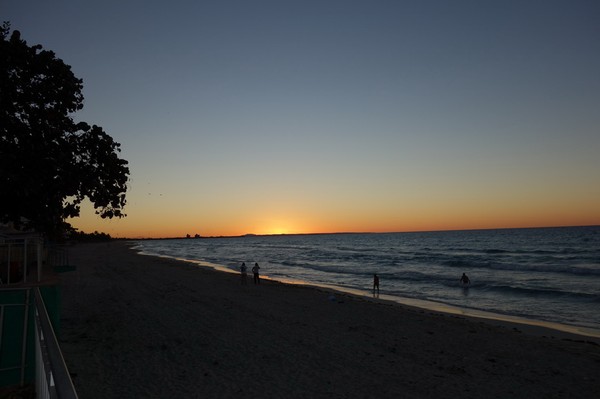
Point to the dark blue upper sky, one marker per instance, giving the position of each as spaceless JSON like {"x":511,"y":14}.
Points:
{"x":295,"y":107}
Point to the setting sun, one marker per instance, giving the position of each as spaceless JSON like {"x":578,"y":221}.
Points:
{"x":278,"y":230}
{"x":278,"y":226}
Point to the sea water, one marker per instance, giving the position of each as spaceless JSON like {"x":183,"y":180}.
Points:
{"x":544,"y":274}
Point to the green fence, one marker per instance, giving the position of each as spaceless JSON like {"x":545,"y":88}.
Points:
{"x":17,"y":331}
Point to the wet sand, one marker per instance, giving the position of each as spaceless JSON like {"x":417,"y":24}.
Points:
{"x":148,"y":327}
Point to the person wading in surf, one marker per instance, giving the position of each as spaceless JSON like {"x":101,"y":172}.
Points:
{"x":375,"y":284}
{"x":465,"y":280}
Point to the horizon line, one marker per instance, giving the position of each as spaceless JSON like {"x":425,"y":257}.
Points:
{"x":190,"y":237}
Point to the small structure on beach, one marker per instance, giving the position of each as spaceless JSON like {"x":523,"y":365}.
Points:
{"x":20,"y":255}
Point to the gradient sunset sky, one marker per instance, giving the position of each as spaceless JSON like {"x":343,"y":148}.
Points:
{"x":272,"y":117}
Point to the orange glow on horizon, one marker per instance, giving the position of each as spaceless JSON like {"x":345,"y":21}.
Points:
{"x":125,"y":229}
{"x":283,"y":216}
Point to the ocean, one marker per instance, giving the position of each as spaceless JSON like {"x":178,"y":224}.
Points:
{"x":547,"y":276}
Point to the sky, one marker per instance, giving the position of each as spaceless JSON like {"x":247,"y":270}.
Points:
{"x":271,"y":117}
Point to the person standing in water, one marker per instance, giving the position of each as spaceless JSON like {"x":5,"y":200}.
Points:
{"x":255,"y":270}
{"x":244,"y":271}
{"x":375,"y":283}
{"x":465,"y":280}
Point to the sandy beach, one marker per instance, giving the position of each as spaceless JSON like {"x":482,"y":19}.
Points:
{"x":135,"y":326}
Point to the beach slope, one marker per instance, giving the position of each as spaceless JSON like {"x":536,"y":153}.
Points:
{"x":149,"y":327}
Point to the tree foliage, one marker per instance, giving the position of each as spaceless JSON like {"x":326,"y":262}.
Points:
{"x":81,"y":236}
{"x":48,"y":162}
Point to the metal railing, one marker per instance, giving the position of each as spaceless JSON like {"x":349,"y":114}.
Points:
{"x":49,"y":374}
{"x":52,"y":376}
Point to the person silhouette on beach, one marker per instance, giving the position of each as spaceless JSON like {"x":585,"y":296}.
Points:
{"x":244,"y":271}
{"x":465,"y":280}
{"x":375,"y":283}
{"x":255,"y":270}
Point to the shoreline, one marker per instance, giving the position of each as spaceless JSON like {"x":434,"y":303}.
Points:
{"x":152,"y":327}
{"x":532,"y":326}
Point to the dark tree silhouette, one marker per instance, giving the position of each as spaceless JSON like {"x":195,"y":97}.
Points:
{"x":48,"y":162}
